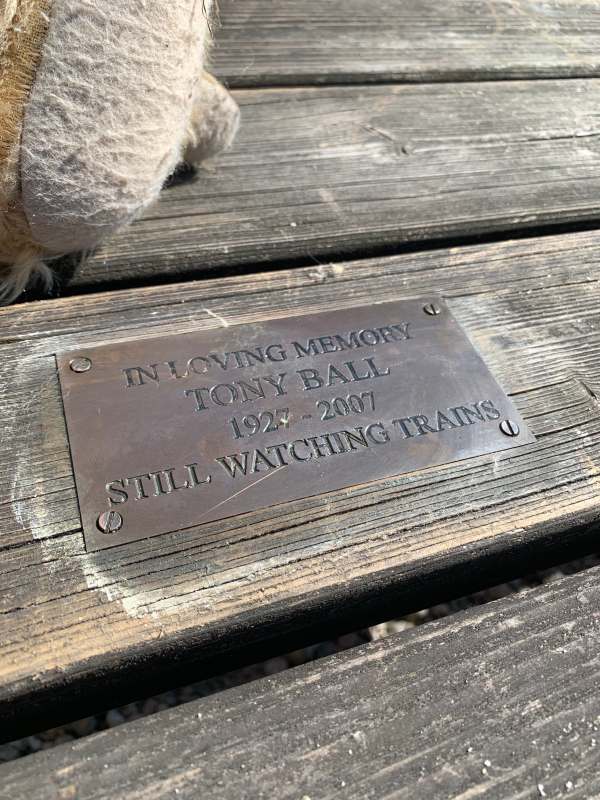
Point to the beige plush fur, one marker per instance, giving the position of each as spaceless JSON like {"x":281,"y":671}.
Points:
{"x":23,"y":26}
{"x":103,"y":100}
{"x":213,"y":123}
{"x":108,"y":114}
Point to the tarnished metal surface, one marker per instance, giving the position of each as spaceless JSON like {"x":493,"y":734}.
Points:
{"x":179,"y":430}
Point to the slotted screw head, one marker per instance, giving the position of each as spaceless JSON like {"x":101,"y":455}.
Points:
{"x":509,"y":427}
{"x":109,"y":522}
{"x":80,"y":364}
{"x":432,"y":309}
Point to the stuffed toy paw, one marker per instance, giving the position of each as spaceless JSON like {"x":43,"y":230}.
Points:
{"x":99,"y":102}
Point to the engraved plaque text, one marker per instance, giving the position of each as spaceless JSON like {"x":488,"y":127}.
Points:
{"x":171,"y":432}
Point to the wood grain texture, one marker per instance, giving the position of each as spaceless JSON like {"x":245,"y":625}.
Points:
{"x":499,"y":702}
{"x":338,"y":170}
{"x":287,"y":42}
{"x":81,"y":630}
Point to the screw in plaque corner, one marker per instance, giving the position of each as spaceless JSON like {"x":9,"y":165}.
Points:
{"x":509,"y":427}
{"x":432,"y":309}
{"x":80,"y":364}
{"x":109,"y":522}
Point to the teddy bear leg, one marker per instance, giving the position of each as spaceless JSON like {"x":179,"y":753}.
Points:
{"x":107,"y":116}
{"x":213,"y":123}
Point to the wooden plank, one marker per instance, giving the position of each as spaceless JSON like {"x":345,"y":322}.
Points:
{"x":500,"y":701}
{"x":79,"y":630}
{"x":287,"y":42}
{"x":317,"y":172}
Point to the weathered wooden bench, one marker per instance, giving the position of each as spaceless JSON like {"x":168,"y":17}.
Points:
{"x":499,"y":702}
{"x":388,"y":150}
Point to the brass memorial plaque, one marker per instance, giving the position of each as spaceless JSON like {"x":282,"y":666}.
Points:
{"x":175,"y":431}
